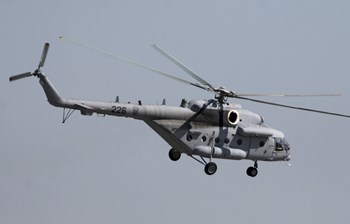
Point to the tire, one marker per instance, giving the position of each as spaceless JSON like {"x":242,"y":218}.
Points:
{"x":252,"y":171}
{"x":174,"y":155}
{"x":210,"y":168}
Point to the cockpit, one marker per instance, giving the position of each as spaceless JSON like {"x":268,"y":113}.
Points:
{"x":282,"y":149}
{"x":281,"y":144}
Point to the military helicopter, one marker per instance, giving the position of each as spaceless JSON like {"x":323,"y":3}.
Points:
{"x":201,"y":129}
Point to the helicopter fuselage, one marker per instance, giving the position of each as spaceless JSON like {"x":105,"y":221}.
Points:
{"x":205,"y":128}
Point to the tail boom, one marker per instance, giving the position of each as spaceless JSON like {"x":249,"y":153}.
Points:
{"x":139,"y":112}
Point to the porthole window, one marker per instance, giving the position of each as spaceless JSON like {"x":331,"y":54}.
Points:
{"x":204,"y":138}
{"x":226,"y":141}
{"x":189,"y":137}
{"x":239,"y":142}
{"x":261,"y":144}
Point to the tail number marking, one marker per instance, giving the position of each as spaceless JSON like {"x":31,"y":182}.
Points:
{"x":118,"y":110}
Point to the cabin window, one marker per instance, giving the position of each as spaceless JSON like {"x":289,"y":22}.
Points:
{"x":226,"y":141}
{"x":189,"y":137}
{"x":239,"y":142}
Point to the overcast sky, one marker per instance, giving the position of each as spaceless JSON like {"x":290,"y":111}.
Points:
{"x":117,"y":170}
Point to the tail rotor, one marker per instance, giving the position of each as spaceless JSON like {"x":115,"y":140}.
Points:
{"x":37,"y":71}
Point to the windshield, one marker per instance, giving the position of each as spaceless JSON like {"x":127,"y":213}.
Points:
{"x":281,"y":144}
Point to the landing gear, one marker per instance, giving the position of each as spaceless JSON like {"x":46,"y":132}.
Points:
{"x":253,"y":171}
{"x":174,"y":155}
{"x":210,"y":168}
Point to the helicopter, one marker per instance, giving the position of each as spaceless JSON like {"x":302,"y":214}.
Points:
{"x":201,"y":129}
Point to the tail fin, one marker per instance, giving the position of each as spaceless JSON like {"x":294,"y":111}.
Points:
{"x":52,"y":94}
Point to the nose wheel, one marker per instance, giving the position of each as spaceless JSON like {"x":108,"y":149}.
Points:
{"x":253,"y":171}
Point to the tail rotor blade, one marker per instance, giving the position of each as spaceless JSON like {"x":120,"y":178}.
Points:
{"x":43,"y":55}
{"x":20,"y":76}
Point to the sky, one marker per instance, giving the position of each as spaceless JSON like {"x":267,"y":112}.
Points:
{"x":117,"y":170}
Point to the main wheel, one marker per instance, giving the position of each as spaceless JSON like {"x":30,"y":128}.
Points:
{"x":174,"y":155}
{"x":210,"y":168}
{"x":252,"y":171}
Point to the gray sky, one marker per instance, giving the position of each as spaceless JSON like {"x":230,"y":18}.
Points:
{"x":116,"y":170}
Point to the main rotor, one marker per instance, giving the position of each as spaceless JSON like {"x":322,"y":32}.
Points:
{"x":221,"y":94}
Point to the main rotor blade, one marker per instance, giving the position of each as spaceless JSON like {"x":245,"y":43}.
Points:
{"x":182,"y":66}
{"x":287,"y":95}
{"x":293,"y":107}
{"x":43,"y":55}
{"x":20,"y":76}
{"x":133,"y":62}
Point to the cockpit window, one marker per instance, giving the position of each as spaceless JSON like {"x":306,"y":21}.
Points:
{"x":281,"y":144}
{"x":286,"y":144}
{"x":278,"y":146}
